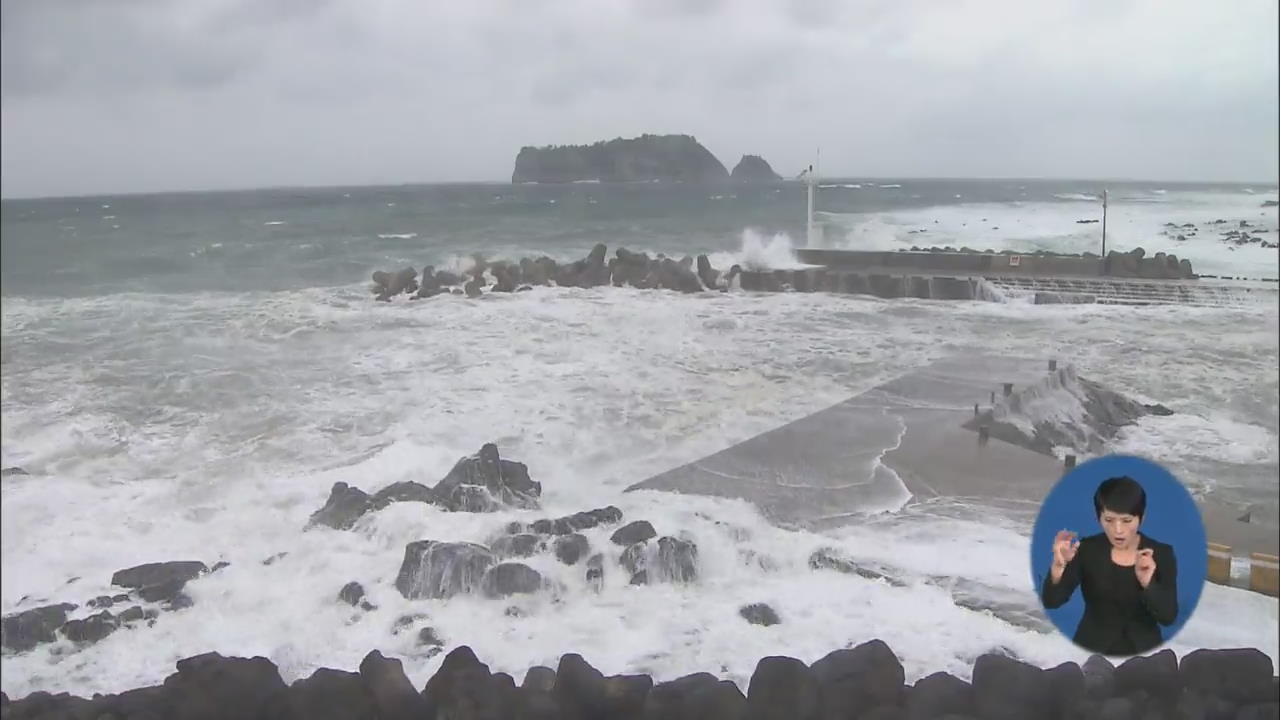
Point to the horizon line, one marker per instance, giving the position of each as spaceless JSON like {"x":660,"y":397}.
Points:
{"x":1273,"y":183}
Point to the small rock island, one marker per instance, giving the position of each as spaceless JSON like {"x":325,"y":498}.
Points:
{"x":648,"y":158}
{"x":753,"y":168}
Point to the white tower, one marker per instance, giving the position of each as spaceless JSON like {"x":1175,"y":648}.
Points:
{"x":811,"y":180}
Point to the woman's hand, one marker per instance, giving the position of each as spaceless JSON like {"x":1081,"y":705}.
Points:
{"x":1065,"y":546}
{"x":1145,"y":567}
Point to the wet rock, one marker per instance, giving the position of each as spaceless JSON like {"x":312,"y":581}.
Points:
{"x":404,"y":622}
{"x":387,"y":285}
{"x":595,"y":572}
{"x":473,"y":288}
{"x":344,"y":507}
{"x":1156,"y":674}
{"x":393,"y":695}
{"x":1007,"y":689}
{"x":695,"y":697}
{"x":87,"y":631}
{"x":583,"y":692}
{"x":783,"y":688}
{"x":633,"y":558}
{"x":1241,"y":676}
{"x":278,"y":556}
{"x":506,"y":481}
{"x":639,"y":578}
{"x":570,"y":549}
{"x":759,"y":614}
{"x":1099,"y":677}
{"x":571,"y":523}
{"x":351,"y":593}
{"x":13,"y":472}
{"x":102,"y":601}
{"x":142,"y":576}
{"x":523,"y":545}
{"x":432,"y":284}
{"x":213,"y":686}
{"x":540,"y":678}
{"x":677,"y":560}
{"x":331,"y":695}
{"x":709,"y":276}
{"x":938,"y":695}
{"x":434,"y":569}
{"x":510,"y":578}
{"x":866,"y":676}
{"x":406,"y":491}
{"x":428,"y":637}
{"x":462,"y":688}
{"x":830,"y":559}
{"x":136,"y":614}
{"x":178,"y":601}
{"x":472,"y":499}
{"x":633,"y":532}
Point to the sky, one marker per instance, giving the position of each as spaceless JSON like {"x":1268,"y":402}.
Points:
{"x":116,"y":96}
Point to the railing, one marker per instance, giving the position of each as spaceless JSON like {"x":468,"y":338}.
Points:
{"x":1049,"y":290}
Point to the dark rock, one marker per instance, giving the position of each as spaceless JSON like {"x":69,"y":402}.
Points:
{"x":25,"y":630}
{"x":937,"y":695}
{"x":577,"y":521}
{"x":439,"y":569}
{"x":633,"y":558}
{"x":428,"y":637}
{"x":759,"y":614}
{"x":595,"y":571}
{"x":332,"y":695}
{"x":1117,"y":709}
{"x":142,"y":576}
{"x":570,"y":549}
{"x":1007,"y":689}
{"x":432,"y":283}
{"x":1066,"y":687}
{"x":460,"y":688}
{"x":352,"y":593}
{"x":393,"y":694}
{"x":405,"y":622}
{"x":633,"y":532}
{"x":405,"y":491}
{"x":213,"y":686}
{"x":695,"y":697}
{"x":677,"y":560}
{"x":473,"y":288}
{"x":511,"y":578}
{"x":539,"y":678}
{"x":136,"y":614}
{"x":278,"y":556}
{"x":102,"y":601}
{"x":860,"y":678}
{"x":753,"y":168}
{"x":783,"y":688}
{"x":507,"y":481}
{"x":178,"y":601}
{"x":829,"y":559}
{"x":90,"y":630}
{"x":523,"y":545}
{"x":13,"y":471}
{"x":1241,"y":676}
{"x":709,"y":276}
{"x":640,"y":578}
{"x":344,"y":507}
{"x":1156,"y":674}
{"x":1099,"y":677}
{"x":472,"y":499}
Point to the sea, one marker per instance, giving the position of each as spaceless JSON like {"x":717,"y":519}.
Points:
{"x":185,"y":376}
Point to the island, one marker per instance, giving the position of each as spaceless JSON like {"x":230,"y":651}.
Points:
{"x":648,"y":158}
{"x":753,"y":168}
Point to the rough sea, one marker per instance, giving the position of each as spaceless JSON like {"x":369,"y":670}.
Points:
{"x":185,"y":376}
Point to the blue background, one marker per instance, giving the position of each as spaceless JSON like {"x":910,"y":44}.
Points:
{"x":1171,"y":517}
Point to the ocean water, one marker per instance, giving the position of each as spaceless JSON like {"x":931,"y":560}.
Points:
{"x":185,"y":376}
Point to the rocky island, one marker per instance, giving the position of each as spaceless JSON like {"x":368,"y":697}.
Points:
{"x":648,"y":158}
{"x":753,"y":168}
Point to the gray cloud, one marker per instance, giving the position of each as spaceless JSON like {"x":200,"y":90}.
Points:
{"x":138,"y":95}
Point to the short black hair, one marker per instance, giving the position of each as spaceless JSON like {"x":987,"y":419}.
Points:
{"x":1120,"y":495}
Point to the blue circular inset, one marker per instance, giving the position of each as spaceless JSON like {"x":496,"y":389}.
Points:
{"x":1171,"y":517}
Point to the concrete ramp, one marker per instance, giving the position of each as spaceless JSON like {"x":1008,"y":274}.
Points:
{"x":904,"y":442}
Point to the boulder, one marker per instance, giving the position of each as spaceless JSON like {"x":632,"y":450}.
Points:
{"x":629,"y":268}
{"x":1007,"y":689}
{"x":351,"y":593}
{"x":634,"y":557}
{"x":570,"y":549}
{"x":570,"y":523}
{"x":473,"y":288}
{"x":510,"y":578}
{"x":783,"y":688}
{"x":344,"y":507}
{"x":709,"y":276}
{"x":87,"y":631}
{"x":506,"y":481}
{"x":14,"y":471}
{"x":462,"y":688}
{"x":759,"y":614}
{"x":1099,"y":677}
{"x":388,"y":285}
{"x":937,"y":695}
{"x":695,"y":697}
{"x":162,"y":581}
{"x":1241,"y":676}
{"x":1156,"y":674}
{"x":332,"y":695}
{"x":25,"y":630}
{"x":472,"y":499}
{"x":432,"y":284}
{"x":404,"y":491}
{"x":432,"y":569}
{"x":595,"y":572}
{"x":633,"y":532}
{"x":677,"y":560}
{"x":586,"y":273}
{"x":861,"y":678}
{"x":523,"y":545}
{"x":213,"y":686}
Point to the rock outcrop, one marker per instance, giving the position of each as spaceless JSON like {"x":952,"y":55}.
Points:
{"x":671,"y":158}
{"x":753,"y":168}
{"x":866,"y":681}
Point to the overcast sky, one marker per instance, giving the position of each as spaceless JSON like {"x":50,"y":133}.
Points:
{"x":144,"y":95}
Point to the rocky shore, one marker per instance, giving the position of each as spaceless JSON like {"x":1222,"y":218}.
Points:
{"x":865,"y":682}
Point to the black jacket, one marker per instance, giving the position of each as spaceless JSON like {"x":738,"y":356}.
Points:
{"x":1120,"y":615}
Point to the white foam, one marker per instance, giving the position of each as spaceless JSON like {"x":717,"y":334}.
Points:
{"x":211,"y":425}
{"x":891,"y":185}
{"x":397,"y":236}
{"x":275,"y":222}
{"x":758,"y":252}
{"x":1077,"y":196}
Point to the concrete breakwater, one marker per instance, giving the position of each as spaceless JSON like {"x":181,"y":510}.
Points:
{"x":1131,"y":264}
{"x":864,"y":682}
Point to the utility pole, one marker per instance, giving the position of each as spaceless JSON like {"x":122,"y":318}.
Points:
{"x":1104,"y":232}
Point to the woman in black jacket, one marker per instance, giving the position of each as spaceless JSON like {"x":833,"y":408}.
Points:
{"x":1129,"y":581}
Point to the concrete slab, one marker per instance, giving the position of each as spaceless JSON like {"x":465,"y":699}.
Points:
{"x":901,"y":440}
